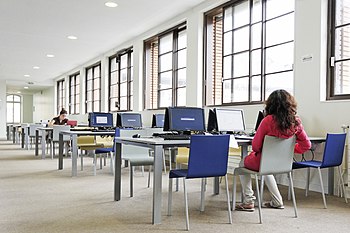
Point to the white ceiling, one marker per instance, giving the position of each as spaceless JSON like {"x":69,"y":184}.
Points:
{"x":31,"y":29}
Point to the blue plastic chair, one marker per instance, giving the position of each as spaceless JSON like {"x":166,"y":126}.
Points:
{"x":332,"y":157}
{"x":208,"y":158}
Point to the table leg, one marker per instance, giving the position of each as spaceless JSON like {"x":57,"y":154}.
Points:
{"x":60,"y":152}
{"x":23,"y":133}
{"x":14,"y":135}
{"x":37,"y":142}
{"x":331,"y":181}
{"x":43,"y":144}
{"x":117,"y":171}
{"x":74,"y":155}
{"x":157,"y":185}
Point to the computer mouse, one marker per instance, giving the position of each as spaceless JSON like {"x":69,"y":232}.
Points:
{"x":136,"y":135}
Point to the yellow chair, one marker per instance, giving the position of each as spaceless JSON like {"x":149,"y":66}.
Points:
{"x":89,"y":144}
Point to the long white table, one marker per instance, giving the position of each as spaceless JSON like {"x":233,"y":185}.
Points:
{"x":74,"y":147}
{"x":157,"y":144}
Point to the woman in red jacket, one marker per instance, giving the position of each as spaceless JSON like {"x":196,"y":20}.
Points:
{"x":280,"y":121}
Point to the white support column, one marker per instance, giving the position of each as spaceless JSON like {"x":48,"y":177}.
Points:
{"x":3,"y":110}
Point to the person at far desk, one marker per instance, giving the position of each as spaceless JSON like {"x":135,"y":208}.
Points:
{"x":280,"y":121}
{"x":60,"y":119}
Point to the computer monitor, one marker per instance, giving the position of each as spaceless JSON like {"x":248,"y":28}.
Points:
{"x":72,"y":123}
{"x":184,"y":119}
{"x":129,"y":120}
{"x":100,"y":119}
{"x":212,"y":122}
{"x":158,"y":121}
{"x":260,"y":117}
{"x":230,"y":120}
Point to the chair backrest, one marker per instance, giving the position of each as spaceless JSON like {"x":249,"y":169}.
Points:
{"x":333,"y":150}
{"x":57,"y":129}
{"x":32,"y":129}
{"x":277,"y":155}
{"x":208,"y":156}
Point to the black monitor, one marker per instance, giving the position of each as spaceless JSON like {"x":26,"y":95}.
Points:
{"x":158,"y":121}
{"x":183,"y":119}
{"x":260,"y":117}
{"x":230,"y":120}
{"x":100,"y":119}
{"x":212,"y":122}
{"x":129,"y":120}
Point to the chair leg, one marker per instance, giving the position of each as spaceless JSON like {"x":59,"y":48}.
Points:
{"x":170,"y":196}
{"x":104,"y":160}
{"x":164,"y":164}
{"x":95,"y":164}
{"x":81,"y":162}
{"x":342,"y":183}
{"x":262,"y":189}
{"x":186,"y":205}
{"x":258,"y":197}
{"x":234,"y":192}
{"x":170,"y":161}
{"x":131,"y":181}
{"x":178,"y":166}
{"x":112,"y":162}
{"x":291,"y":187}
{"x":228,"y":201}
{"x":289,"y":191}
{"x":322,"y":189}
{"x":201,"y":208}
{"x":307,"y":182}
{"x":101,"y":161}
{"x":149,"y":175}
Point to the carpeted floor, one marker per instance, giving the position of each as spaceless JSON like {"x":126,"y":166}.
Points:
{"x":36,"y":197}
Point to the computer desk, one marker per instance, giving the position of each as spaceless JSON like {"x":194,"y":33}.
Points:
{"x":157,"y":144}
{"x":74,"y":145}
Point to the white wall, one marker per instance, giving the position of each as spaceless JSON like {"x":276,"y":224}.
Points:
{"x":43,"y":105}
{"x":27,"y":108}
{"x":3,"y":110}
{"x":319,"y":116}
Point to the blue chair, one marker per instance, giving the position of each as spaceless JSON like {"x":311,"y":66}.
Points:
{"x":208,"y":158}
{"x":332,"y":157}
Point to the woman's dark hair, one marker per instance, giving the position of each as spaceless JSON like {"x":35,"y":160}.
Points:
{"x":63,"y":111}
{"x":283,"y":107}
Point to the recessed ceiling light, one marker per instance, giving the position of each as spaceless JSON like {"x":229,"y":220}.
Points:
{"x":111,"y":4}
{"x":18,"y":92}
{"x":72,"y":37}
{"x":50,"y":55}
{"x":27,"y":75}
{"x":25,"y":87}
{"x":36,"y":67}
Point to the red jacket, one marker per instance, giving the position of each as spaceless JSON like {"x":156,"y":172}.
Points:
{"x":268,"y":126}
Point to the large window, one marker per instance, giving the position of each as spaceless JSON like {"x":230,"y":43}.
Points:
{"x":121,"y":81}
{"x":61,"y":95}
{"x":249,"y":51}
{"x":339,"y":49}
{"x":93,"y":88}
{"x":165,"y":65}
{"x":74,"y":93}
{"x":13,"y":108}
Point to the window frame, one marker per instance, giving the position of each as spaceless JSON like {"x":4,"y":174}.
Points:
{"x":220,"y":10}
{"x":13,"y":104}
{"x":331,"y":76}
{"x":175,"y":31}
{"x":74,"y":96}
{"x":129,"y":81}
{"x":61,"y":95}
{"x":93,"y":90}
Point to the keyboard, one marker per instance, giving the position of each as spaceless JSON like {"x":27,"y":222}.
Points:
{"x":176,"y":137}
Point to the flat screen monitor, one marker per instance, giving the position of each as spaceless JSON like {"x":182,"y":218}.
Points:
{"x":230,"y":120}
{"x":129,"y":120}
{"x":260,"y":117}
{"x":212,"y":122}
{"x":100,"y":119}
{"x":184,"y":119}
{"x":158,"y":121}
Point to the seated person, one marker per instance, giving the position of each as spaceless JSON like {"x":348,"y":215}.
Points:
{"x":59,"y":120}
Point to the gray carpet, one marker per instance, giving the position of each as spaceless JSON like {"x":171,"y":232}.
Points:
{"x":36,"y":197}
